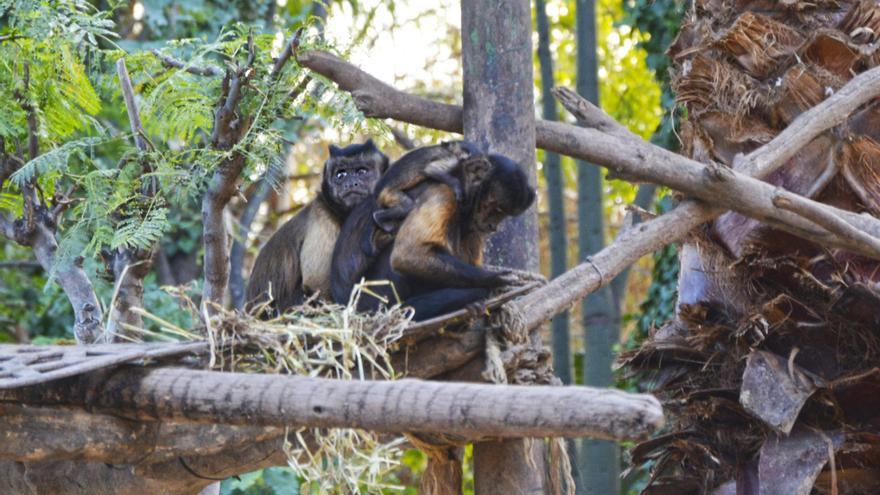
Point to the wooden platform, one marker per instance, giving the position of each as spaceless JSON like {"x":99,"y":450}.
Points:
{"x":23,"y":365}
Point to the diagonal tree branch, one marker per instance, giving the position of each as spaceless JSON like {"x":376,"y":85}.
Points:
{"x":130,"y":265}
{"x":641,"y":161}
{"x":169,"y":61}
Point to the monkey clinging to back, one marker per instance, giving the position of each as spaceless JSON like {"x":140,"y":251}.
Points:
{"x":295,"y":261}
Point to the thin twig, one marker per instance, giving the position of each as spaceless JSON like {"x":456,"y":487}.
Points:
{"x":825,"y":219}
{"x":169,"y":61}
{"x":134,"y":119}
{"x":289,"y":49}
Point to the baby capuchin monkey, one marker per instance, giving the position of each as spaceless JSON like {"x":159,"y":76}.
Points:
{"x":439,"y":163}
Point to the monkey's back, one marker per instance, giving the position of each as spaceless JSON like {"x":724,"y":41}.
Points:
{"x":295,"y":260}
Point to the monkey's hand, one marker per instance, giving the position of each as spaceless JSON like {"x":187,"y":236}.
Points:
{"x":476,"y":309}
{"x":456,"y":190}
{"x":385,"y":222}
{"x":507,"y":277}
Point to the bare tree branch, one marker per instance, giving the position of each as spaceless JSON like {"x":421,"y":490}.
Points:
{"x":228,"y":130}
{"x":636,"y":159}
{"x":829,"y":221}
{"x":130,"y":265}
{"x":290,"y":48}
{"x":169,"y":61}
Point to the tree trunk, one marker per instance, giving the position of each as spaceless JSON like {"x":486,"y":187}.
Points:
{"x":555,"y":203}
{"x":499,"y":116}
{"x":746,"y":76}
{"x":599,"y":459}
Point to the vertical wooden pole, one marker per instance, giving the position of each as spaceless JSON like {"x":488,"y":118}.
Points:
{"x":599,"y":459}
{"x":555,"y":202}
{"x":499,"y":115}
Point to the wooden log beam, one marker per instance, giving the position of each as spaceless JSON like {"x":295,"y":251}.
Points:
{"x":469,"y":410}
{"x":638,"y":160}
{"x":55,"y":434}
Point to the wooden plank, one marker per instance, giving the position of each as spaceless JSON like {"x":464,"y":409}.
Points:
{"x":24,"y":365}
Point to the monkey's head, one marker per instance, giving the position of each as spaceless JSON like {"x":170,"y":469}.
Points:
{"x":350,"y":173}
{"x":505,"y":192}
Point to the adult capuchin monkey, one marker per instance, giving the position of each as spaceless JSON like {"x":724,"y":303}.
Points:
{"x":435,"y":257}
{"x":295,"y":262}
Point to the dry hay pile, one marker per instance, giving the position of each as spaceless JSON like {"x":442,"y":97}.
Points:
{"x":319,"y":340}
{"x":769,"y":371}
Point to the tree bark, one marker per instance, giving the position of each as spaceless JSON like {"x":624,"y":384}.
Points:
{"x":499,"y":116}
{"x":555,"y":202}
{"x":474,"y":411}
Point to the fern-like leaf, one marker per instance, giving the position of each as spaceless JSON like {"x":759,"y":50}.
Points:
{"x":141,"y":233}
{"x":51,"y":161}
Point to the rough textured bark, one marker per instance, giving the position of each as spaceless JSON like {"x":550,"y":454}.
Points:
{"x":499,"y":116}
{"x":58,"y":434}
{"x":598,"y":460}
{"x":498,"y":108}
{"x":469,"y":410}
{"x":178,"y":476}
{"x":555,"y":201}
{"x":788,"y":327}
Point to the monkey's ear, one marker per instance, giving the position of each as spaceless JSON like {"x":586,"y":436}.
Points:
{"x":369,"y":145}
{"x":335,"y":150}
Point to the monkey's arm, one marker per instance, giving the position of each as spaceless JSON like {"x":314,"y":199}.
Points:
{"x":422,"y":249}
{"x":353,"y":253}
{"x":444,"y":301}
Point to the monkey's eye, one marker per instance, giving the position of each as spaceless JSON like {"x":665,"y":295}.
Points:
{"x":341,"y":174}
{"x":361,"y":170}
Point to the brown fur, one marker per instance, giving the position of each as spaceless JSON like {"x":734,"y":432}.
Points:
{"x":429,"y":226}
{"x":294,"y":262}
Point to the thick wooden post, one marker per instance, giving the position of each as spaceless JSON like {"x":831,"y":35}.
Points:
{"x":499,"y":115}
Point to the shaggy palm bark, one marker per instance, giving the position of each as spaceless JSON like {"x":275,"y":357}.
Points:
{"x":773,"y":351}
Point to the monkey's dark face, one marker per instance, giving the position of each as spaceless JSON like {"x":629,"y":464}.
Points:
{"x":351,"y":180}
{"x":351,"y":173}
{"x":505,"y":193}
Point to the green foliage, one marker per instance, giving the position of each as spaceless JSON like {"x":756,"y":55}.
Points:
{"x":72,"y":86}
{"x":54,"y":161}
{"x":270,"y":481}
